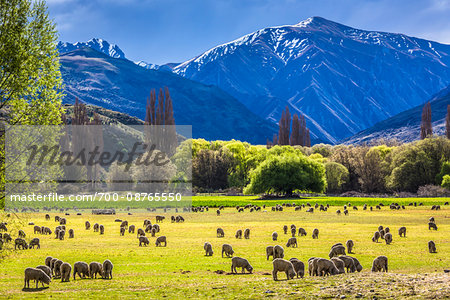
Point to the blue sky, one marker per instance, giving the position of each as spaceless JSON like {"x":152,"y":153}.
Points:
{"x":162,"y":31}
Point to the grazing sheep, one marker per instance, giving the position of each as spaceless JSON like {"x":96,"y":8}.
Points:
{"x":140,"y":232}
{"x":345,"y":212}
{"x":337,"y":250}
{"x":62,"y":221}
{"x":47,"y":217}
{"x":156,"y":227}
{"x":285,"y":229}
{"x":20,"y":243}
{"x":402,"y":231}
{"x":61,"y":234}
{"x":153,"y":232}
{"x":380,"y":264}
{"x":37,"y":229}
{"x":247,"y":234}
{"x":160,"y":240}
{"x":315,"y":234}
{"x":349,"y":263}
{"x":81,"y":268}
{"x":57,"y":230}
{"x":122,"y":231}
{"x":102,"y":229}
{"x":46,"y":270}
{"x":431,"y":220}
{"x":160,"y":219}
{"x":57,"y":218}
{"x":274,"y":236}
{"x":376,"y":237}
{"x":293,"y":231}
{"x":87,"y":225}
{"x":326,"y":267}
{"x":339,"y":263}
{"x":52,"y":265}
{"x":94,"y":269}
{"x":292,"y":242}
{"x":107,"y":269}
{"x":131,"y":229}
{"x":35,"y":242}
{"x":431,"y":247}
{"x":208,"y":249}
{"x":71,"y":234}
{"x":96,"y":226}
{"x":124,"y":224}
{"x":388,"y":238}
{"x":338,"y":212}
{"x":37,"y":275}
{"x":282,"y":265}
{"x":218,"y":212}
{"x":220,"y":233}
{"x":47,"y":230}
{"x":380,"y":227}
{"x":65,"y":270}
{"x":238,"y":234}
{"x":7,"y":238}
{"x":358,"y":266}
{"x":312,"y":266}
{"x":269,"y":252}
{"x":57,"y":268}
{"x":432,"y":226}
{"x":48,"y":260}
{"x":239,"y":262}
{"x":299,"y":267}
{"x":143,"y":240}
{"x":301,"y":232}
{"x":278,"y":252}
{"x":21,"y":233}
{"x":387,"y":230}
{"x":350,"y":246}
{"x":228,"y":250}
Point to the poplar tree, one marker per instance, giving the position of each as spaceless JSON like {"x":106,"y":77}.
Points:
{"x":426,"y":128}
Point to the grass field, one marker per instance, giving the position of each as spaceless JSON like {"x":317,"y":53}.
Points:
{"x":181,"y":270}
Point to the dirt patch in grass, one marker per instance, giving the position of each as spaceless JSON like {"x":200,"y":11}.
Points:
{"x":377,"y":285}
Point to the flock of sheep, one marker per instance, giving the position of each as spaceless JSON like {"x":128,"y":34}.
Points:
{"x":339,"y":262}
{"x":56,"y":268}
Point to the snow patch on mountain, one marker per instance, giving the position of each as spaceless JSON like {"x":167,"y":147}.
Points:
{"x":96,"y":44}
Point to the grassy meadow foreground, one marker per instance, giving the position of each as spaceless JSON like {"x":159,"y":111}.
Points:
{"x":182,"y":270}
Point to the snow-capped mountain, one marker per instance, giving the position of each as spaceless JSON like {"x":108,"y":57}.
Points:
{"x":96,"y":44}
{"x":147,"y":65}
{"x":342,"y":79}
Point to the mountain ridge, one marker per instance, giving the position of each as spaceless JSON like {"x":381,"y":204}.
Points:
{"x":120,"y":85}
{"x":405,"y":127}
{"x":339,"y":77}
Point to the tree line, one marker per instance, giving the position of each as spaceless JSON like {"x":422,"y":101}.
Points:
{"x":383,"y":167}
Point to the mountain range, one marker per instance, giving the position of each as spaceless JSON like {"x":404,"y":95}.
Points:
{"x":121,"y":85}
{"x":344,"y":80}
